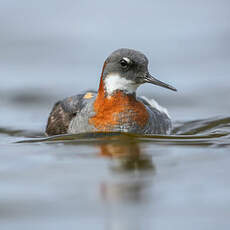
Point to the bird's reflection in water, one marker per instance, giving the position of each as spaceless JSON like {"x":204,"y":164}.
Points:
{"x":126,"y":152}
{"x":132,"y":173}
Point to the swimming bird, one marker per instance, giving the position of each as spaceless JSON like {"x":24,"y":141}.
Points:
{"x":115,"y":107}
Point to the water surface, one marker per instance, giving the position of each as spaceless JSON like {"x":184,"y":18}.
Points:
{"x":117,"y":181}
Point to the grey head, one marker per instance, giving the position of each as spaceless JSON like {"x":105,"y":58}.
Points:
{"x":126,"y":69}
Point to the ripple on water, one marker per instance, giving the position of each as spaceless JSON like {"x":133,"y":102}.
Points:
{"x":206,"y":132}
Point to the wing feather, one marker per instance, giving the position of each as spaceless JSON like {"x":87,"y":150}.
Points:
{"x":63,"y":112}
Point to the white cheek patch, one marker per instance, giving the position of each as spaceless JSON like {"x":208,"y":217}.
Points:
{"x":115,"y":82}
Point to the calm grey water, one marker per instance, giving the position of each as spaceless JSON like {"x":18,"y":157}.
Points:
{"x":54,"y":49}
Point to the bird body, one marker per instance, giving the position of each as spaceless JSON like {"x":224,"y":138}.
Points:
{"x":115,"y":107}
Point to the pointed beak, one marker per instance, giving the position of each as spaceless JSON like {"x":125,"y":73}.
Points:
{"x":153,"y":80}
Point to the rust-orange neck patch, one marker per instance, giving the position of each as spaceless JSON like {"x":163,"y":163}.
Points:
{"x":110,"y":109}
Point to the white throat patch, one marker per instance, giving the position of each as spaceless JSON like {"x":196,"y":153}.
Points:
{"x":115,"y":82}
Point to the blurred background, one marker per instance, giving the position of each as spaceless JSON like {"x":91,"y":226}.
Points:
{"x":53,"y":49}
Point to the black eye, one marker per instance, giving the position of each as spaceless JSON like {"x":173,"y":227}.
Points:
{"x":124,"y":63}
